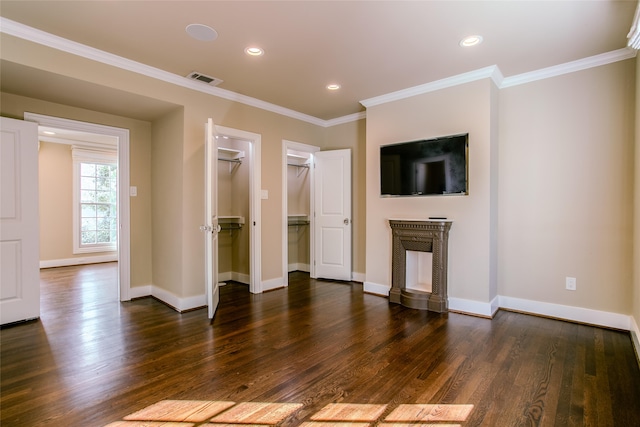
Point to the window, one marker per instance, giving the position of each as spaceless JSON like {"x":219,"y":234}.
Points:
{"x":95,"y":201}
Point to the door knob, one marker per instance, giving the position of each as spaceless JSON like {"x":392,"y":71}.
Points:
{"x":205,"y":228}
{"x":346,"y":221}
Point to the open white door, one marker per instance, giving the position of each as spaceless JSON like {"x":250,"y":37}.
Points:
{"x":211,"y":227}
{"x":19,"y":222}
{"x":332,"y":195}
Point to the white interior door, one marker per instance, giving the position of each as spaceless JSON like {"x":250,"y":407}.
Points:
{"x":211,"y":227}
{"x":19,"y":222}
{"x":332,"y":194}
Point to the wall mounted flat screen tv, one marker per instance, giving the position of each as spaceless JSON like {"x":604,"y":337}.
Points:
{"x":425,"y":167}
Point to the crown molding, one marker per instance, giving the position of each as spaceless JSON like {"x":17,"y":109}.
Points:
{"x":493,"y":72}
{"x":34,"y":35}
{"x":570,"y":67}
{"x":483,"y":73}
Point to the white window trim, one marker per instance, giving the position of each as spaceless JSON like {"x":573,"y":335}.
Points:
{"x":82,"y":154}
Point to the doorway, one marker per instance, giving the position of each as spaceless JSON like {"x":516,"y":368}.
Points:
{"x":238,"y":182}
{"x":297,"y":206}
{"x":121,"y":139}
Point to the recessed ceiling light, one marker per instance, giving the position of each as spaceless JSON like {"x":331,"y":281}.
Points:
{"x":201,"y":32}
{"x":471,"y":41}
{"x":254,"y":51}
{"x":333,"y":86}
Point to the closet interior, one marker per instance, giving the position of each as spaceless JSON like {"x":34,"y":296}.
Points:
{"x":233,"y":210}
{"x":298,"y":210}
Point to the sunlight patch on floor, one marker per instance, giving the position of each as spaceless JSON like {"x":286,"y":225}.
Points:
{"x":205,"y":413}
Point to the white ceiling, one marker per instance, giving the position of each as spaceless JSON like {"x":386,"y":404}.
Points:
{"x":371,"y":48}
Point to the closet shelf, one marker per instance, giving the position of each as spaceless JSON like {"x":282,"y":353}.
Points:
{"x":230,"y":222}
{"x":230,"y":155}
{"x":299,"y":219}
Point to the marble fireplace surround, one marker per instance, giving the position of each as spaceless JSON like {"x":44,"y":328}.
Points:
{"x":430,"y":235}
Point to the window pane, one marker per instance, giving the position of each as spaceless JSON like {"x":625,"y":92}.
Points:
{"x":88,"y":210}
{"x":88,"y":224}
{"x":103,"y":236}
{"x":104,"y":210}
{"x":87,"y":196}
{"x":87,"y":169}
{"x":103,"y":184}
{"x":87,"y":183}
{"x":98,"y":204}
{"x":103,"y":171}
{"x":103,"y":196}
{"x":88,"y":237}
{"x":104,"y":224}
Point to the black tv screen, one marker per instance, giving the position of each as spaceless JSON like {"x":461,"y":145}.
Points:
{"x":425,"y":167}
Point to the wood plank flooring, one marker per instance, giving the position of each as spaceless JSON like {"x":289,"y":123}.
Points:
{"x":318,"y":353}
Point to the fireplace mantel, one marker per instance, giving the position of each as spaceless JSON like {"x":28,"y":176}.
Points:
{"x":430,"y":235}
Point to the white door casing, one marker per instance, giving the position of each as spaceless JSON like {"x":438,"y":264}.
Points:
{"x":124,"y":214}
{"x":311,"y":149}
{"x":332,"y":185}
{"x":211,"y":227}
{"x":255,"y":199}
{"x":19,"y":222}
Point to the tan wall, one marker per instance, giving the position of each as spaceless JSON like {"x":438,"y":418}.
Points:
{"x":461,"y":109}
{"x":566,"y":180}
{"x":55,"y":180}
{"x":167,"y":201}
{"x":140,"y":146}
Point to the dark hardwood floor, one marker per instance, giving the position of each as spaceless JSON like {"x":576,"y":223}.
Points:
{"x":92,"y":361}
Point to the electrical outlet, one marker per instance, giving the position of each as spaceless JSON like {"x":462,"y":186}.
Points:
{"x":570,"y":283}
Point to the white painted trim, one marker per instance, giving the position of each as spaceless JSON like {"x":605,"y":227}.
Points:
{"x":345,"y":119}
{"x":357,"y":277}
{"x":255,"y":203}
{"x":635,"y":337}
{"x":141,"y":291}
{"x":471,"y":76}
{"x":376,"y":288}
{"x":179,"y":304}
{"x":476,"y":308}
{"x":565,"y":312}
{"x":298,"y":266}
{"x":570,"y":67}
{"x":278,"y":282}
{"x":124,"y":213}
{"x":306,"y":148}
{"x":64,"y":262}
{"x":22,"y":31}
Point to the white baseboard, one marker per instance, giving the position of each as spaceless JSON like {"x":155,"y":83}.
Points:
{"x":141,"y":291}
{"x":297,"y":266}
{"x":235,"y":276}
{"x":635,"y":337}
{"x":179,"y":304}
{"x":475,"y":308}
{"x":50,"y":263}
{"x":565,"y":312}
{"x":357,"y":277}
{"x":375,"y":288}
{"x":278,"y":282}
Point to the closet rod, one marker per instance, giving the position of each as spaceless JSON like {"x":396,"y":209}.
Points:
{"x":304,"y":165}
{"x":230,"y":160}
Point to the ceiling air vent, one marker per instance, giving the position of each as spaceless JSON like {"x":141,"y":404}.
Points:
{"x":204,"y":78}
